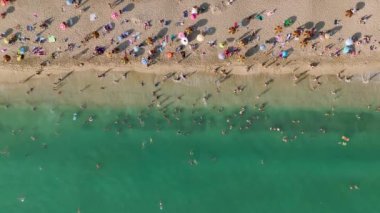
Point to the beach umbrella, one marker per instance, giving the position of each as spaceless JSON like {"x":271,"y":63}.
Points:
{"x":51,"y":39}
{"x":259,"y":17}
{"x":169,"y":55}
{"x":262,"y":47}
{"x":327,"y":36}
{"x":22,"y":50}
{"x":278,"y":29}
{"x":222,"y":56}
{"x":288,"y":22}
{"x":4,"y":2}
{"x":222,"y":44}
{"x":200,"y":38}
{"x":172,"y":37}
{"x":115,"y":15}
{"x":304,"y":42}
{"x":144,"y":61}
{"x":63,"y":26}
{"x":346,"y":49}
{"x":93,"y":17}
{"x":193,"y":16}
{"x":284,"y":54}
{"x":136,"y":49}
{"x":349,"y":42}
{"x":6,"y":58}
{"x":69,"y":2}
{"x":349,"y":13}
{"x":194,"y":10}
{"x":181,"y":35}
{"x":184,"y":41}
{"x":95,"y":34}
{"x":6,"y":41}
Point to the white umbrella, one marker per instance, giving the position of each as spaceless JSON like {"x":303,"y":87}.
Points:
{"x":262,"y":47}
{"x":93,"y":17}
{"x":200,"y":38}
{"x":185,"y":41}
{"x":136,"y":49}
{"x":221,"y":56}
{"x":349,"y":42}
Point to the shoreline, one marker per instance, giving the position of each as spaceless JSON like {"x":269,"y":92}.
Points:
{"x":199,"y":90}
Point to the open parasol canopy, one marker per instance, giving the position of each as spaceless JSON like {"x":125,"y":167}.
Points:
{"x":184,"y":41}
{"x":222,"y":56}
{"x":349,"y":42}
{"x":200,"y":38}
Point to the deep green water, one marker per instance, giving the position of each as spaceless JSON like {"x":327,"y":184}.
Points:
{"x":187,"y":164}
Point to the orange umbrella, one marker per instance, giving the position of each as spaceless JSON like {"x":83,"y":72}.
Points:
{"x":149,"y":41}
{"x":304,"y":42}
{"x":349,"y":13}
{"x":95,"y":34}
{"x":232,"y":30}
{"x":169,"y":55}
{"x":188,"y":31}
{"x":278,"y":29}
{"x":6,"y":58}
{"x":307,"y":34}
{"x":297,"y":33}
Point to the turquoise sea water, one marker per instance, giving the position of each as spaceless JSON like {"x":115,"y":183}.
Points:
{"x":180,"y":161}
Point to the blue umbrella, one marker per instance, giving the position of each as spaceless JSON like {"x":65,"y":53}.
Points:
{"x":262,"y":47}
{"x":69,"y":2}
{"x":22,"y":50}
{"x":136,"y":49}
{"x":144,"y":61}
{"x":284,"y":54}
{"x":346,"y":49}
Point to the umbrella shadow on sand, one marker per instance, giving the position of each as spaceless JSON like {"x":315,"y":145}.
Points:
{"x":204,"y":7}
{"x":122,"y":46}
{"x":129,"y":7}
{"x":245,"y":22}
{"x":162,"y":32}
{"x":308,"y":25}
{"x":318,"y":27}
{"x":360,"y":5}
{"x":251,"y":51}
{"x":10,"y":10}
{"x":200,"y":23}
{"x":8,"y":32}
{"x":356,"y":36}
{"x":196,"y":31}
{"x":334,"y":30}
{"x":211,"y":31}
{"x":73,"y":21}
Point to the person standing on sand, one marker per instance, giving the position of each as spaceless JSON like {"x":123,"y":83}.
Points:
{"x":114,"y":3}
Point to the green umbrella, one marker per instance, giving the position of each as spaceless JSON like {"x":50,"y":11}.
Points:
{"x":259,"y":17}
{"x":288,"y":22}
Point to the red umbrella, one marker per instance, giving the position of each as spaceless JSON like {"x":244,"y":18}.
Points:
{"x":63,"y":26}
{"x":4,"y":2}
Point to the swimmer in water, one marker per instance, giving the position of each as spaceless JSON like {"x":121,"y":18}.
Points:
{"x":90,"y":119}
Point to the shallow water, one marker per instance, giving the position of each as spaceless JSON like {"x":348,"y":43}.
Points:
{"x":188,"y":164}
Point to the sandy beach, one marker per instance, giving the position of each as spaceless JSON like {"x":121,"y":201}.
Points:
{"x":59,"y":63}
